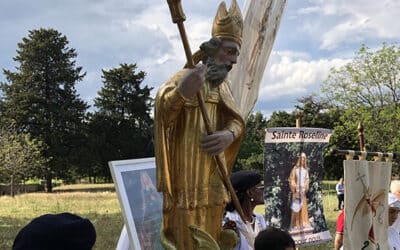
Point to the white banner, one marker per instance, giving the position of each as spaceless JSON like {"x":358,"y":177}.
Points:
{"x":260,"y":26}
{"x":366,"y":204}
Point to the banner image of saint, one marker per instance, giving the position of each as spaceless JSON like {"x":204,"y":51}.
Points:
{"x":293,"y":171}
{"x":299,"y":184}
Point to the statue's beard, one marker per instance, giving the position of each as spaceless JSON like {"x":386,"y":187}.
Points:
{"x":216,"y":73}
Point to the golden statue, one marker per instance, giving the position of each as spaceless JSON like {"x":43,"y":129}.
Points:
{"x":187,"y":175}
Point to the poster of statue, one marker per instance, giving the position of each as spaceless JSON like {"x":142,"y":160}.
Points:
{"x":141,"y":204}
{"x":293,"y":171}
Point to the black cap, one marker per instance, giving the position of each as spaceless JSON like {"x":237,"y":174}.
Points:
{"x":56,"y":231}
{"x":245,"y":179}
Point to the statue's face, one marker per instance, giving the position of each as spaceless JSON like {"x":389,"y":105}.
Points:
{"x":303,"y":161}
{"x":227,"y":53}
{"x":219,"y":66}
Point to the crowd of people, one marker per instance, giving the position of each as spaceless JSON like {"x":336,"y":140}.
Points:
{"x":71,"y":232}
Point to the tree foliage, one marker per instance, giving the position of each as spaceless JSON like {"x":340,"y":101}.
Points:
{"x":281,"y":119}
{"x":251,"y":154}
{"x":20,"y":157}
{"x":121,"y":128}
{"x":367,"y":90}
{"x":41,"y":97}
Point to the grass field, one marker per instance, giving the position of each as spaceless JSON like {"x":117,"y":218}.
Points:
{"x":99,"y":203}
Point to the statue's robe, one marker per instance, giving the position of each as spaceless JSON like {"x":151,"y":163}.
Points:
{"x":193,"y":192}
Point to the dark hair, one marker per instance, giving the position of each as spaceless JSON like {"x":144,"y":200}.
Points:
{"x":273,"y":239}
{"x":242,"y":181}
{"x":56,"y":231}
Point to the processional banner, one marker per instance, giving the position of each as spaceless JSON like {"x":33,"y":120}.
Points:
{"x":366,"y":204}
{"x":293,"y":172}
{"x":260,"y":26}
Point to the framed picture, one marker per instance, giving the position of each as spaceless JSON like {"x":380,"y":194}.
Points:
{"x":141,"y":204}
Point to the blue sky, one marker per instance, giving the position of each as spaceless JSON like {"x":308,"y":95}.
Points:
{"x":314,"y":36}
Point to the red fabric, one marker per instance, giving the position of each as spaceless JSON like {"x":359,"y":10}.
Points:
{"x":340,"y":223}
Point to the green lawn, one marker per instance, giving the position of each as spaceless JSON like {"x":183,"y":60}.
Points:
{"x":102,"y":208}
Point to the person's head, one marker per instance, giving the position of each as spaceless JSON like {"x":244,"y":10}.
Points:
{"x":248,"y":187}
{"x":395,"y":188}
{"x":341,"y":180}
{"x":302,"y":160}
{"x":394,"y":208}
{"x":222,"y":50}
{"x":55,"y":231}
{"x":274,"y":239}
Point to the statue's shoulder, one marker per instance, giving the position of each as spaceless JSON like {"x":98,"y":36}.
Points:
{"x":170,"y":83}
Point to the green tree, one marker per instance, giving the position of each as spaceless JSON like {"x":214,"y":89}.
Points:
{"x":367,"y":90}
{"x":20,"y":157}
{"x":251,"y":153}
{"x":281,"y":119}
{"x":42,"y":98}
{"x":313,"y":112}
{"x":316,"y":113}
{"x":122,"y":124}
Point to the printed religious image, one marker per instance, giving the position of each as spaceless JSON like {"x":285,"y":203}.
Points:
{"x":299,"y":184}
{"x":146,"y":204}
{"x":135,"y":182}
{"x":293,"y":172}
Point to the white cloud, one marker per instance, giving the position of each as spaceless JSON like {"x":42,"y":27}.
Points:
{"x":353,"y":31}
{"x":289,"y":75}
{"x":313,"y":36}
{"x":343,"y":22}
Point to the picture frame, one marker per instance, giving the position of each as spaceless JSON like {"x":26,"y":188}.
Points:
{"x":141,"y":204}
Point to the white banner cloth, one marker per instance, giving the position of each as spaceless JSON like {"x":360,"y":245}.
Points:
{"x":366,"y":204}
{"x":260,"y":26}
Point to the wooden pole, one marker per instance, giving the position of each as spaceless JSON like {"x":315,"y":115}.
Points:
{"x":298,"y":120}
{"x":178,"y":17}
{"x":360,"y":129}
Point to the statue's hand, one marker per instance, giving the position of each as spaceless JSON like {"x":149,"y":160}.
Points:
{"x":217,"y":142}
{"x":192,"y":81}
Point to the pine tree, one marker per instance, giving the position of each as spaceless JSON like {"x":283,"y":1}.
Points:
{"x":41,"y":97}
{"x":122,"y":124}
